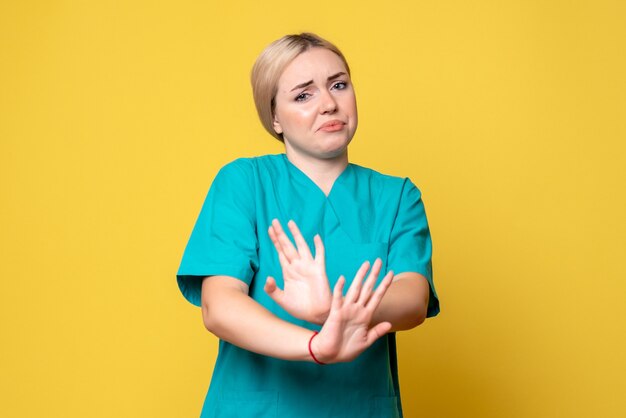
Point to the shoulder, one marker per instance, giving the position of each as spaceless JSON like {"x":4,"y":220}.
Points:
{"x":247,"y":174}
{"x":238,"y":167}
{"x":385,"y":183}
{"x":250,"y":166}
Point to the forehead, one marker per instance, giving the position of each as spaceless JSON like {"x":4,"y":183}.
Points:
{"x":315,"y":64}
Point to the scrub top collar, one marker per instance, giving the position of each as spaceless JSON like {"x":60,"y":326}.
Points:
{"x":301,"y":175}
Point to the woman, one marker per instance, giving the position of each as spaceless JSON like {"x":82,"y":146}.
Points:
{"x":289,"y":345}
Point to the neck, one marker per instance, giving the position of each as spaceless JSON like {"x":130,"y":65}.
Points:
{"x":322,"y":172}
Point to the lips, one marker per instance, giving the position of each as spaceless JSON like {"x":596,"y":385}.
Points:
{"x":332,"y":126}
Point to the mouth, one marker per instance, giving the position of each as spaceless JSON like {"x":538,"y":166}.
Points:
{"x":332,"y":126}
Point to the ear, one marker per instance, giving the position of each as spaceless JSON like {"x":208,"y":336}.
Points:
{"x":277,"y":127}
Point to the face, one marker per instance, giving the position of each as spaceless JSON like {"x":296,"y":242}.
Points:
{"x":315,"y":105}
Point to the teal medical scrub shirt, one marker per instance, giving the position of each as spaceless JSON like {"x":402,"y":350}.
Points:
{"x":366,"y":215}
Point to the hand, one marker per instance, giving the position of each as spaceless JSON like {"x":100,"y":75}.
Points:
{"x":306,"y":294}
{"x":346,"y":332}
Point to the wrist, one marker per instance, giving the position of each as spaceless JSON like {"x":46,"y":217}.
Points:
{"x":320,"y":317}
{"x":314,"y":351}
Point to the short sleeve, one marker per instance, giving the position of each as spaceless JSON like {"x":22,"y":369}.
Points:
{"x":410,"y":246}
{"x":224,"y":239}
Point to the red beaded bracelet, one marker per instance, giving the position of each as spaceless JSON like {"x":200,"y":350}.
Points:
{"x":311,"y":351}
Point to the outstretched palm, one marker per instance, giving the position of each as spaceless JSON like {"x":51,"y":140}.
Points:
{"x":306,"y":294}
{"x":347,"y":333}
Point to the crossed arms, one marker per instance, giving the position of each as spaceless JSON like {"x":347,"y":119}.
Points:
{"x":350,"y":323}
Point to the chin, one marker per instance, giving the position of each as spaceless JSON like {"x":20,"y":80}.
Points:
{"x":334,"y":152}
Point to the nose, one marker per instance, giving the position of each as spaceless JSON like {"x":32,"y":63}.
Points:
{"x":328,"y":104}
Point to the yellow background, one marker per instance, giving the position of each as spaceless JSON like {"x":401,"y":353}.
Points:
{"x":509,"y":115}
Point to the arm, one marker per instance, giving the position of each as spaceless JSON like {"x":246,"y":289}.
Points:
{"x":405,"y":303}
{"x":306,"y":286}
{"x":230,"y":314}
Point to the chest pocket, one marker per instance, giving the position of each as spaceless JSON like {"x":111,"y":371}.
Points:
{"x":262,"y":404}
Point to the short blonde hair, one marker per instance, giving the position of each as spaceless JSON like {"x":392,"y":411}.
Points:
{"x":270,"y":65}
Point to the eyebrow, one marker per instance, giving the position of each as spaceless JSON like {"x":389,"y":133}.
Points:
{"x":308,"y":83}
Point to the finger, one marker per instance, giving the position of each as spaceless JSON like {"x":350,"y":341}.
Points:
{"x":303,"y":247}
{"x":274,"y":237}
{"x":273,"y":291}
{"x":288,"y":249}
{"x":338,"y":294}
{"x":378,"y":331}
{"x":279,"y":249}
{"x":320,"y":251}
{"x":272,"y":233}
{"x":374,"y":301}
{"x":270,"y":285}
{"x":355,"y":286}
{"x":370,"y":282}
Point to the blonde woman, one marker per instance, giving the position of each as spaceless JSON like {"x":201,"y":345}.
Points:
{"x":307,"y":323}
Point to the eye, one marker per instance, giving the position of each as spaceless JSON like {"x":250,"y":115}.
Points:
{"x":302,"y":97}
{"x":340,"y":85}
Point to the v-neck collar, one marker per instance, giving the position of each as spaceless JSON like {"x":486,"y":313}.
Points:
{"x":307,"y":179}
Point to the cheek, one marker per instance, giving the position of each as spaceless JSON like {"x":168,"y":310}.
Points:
{"x":353,"y":105}
{"x":348,"y":104}
{"x":351,"y":110}
{"x":298,"y":117}
{"x":354,"y":116}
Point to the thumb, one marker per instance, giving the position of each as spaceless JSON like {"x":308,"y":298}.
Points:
{"x":273,"y":291}
{"x":378,"y":331}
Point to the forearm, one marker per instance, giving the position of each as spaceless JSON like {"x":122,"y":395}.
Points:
{"x":232,"y":315}
{"x":405,"y":304}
